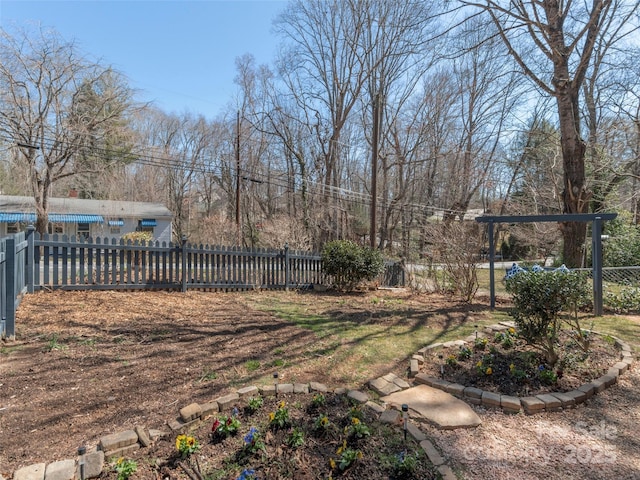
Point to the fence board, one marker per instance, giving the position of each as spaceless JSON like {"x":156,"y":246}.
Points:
{"x":71,"y":263}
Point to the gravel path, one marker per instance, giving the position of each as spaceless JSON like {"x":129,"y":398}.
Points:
{"x":597,"y":440}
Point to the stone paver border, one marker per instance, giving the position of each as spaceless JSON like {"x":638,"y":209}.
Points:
{"x":551,"y":402}
{"x":192,"y":416}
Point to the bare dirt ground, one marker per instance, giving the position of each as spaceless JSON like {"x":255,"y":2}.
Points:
{"x":86,"y":364}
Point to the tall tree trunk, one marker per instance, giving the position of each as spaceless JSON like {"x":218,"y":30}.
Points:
{"x":575,"y":195}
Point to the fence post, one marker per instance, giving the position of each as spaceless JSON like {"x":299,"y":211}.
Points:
{"x":287,"y":270}
{"x":184,"y":263}
{"x":30,"y":260}
{"x":10,"y":320}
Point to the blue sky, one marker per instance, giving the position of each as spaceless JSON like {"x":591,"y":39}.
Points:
{"x":180,"y":54}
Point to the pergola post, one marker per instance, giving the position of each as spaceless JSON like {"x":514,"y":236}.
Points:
{"x":492,"y":279}
{"x":596,"y":262}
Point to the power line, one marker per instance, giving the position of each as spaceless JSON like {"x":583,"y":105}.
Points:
{"x":204,"y":166}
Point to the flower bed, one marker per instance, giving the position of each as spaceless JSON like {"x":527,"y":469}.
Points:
{"x":501,"y":362}
{"x":317,"y":436}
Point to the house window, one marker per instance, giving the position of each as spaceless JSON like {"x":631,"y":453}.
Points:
{"x":114,"y":225}
{"x":146,"y":225}
{"x":56,"y":228}
{"x":13,"y":228}
{"x":84,"y":230}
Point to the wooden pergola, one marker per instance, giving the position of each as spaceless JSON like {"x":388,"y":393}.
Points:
{"x":596,"y":220}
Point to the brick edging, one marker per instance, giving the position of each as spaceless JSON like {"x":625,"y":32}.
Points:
{"x":549,"y":402}
{"x":193,"y":416}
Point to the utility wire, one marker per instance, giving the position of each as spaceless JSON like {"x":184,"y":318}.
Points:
{"x":205,"y":166}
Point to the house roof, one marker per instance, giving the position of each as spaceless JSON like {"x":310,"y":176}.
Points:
{"x":106,"y":208}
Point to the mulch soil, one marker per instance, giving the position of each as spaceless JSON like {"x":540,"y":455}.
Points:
{"x":520,"y":370}
{"x":88,"y":364}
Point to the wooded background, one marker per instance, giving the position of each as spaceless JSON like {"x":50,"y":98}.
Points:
{"x":391,"y":117}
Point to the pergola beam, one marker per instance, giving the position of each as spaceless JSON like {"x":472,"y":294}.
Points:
{"x":596,"y":251}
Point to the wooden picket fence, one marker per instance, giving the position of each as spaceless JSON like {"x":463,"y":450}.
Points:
{"x":31,"y":262}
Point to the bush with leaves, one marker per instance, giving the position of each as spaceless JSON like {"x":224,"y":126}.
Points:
{"x":538,"y":298}
{"x":626,"y":300}
{"x":350,"y":264}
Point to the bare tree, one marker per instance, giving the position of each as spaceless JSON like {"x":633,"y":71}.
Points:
{"x":175,"y":146}
{"x":397,"y":32}
{"x":487,"y":92}
{"x":608,"y":93}
{"x":323,"y":69}
{"x":59,"y":109}
{"x":562,"y":37}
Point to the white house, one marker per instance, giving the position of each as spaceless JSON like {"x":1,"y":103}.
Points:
{"x":88,"y":218}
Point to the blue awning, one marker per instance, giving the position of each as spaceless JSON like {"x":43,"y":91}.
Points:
{"x":148,"y":222}
{"x":116,"y":223}
{"x":74,"y":218}
{"x":12,"y":217}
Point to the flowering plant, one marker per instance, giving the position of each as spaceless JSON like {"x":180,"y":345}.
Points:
{"x":279,"y":418}
{"x":322,"y":423}
{"x":452,"y":361}
{"x":517,"y":373}
{"x":125,"y":468}
{"x":464,"y":353}
{"x":480,"y":343}
{"x":296,"y":438}
{"x":318,"y":400}
{"x":485,"y":365}
{"x":356,"y":411}
{"x":225,"y":426}
{"x":346,"y":456}
{"x":186,"y":445}
{"x":254,"y":404}
{"x":357,"y":428}
{"x":402,"y":464}
{"x":547,"y":376}
{"x":247,"y":474}
{"x":253,"y":442}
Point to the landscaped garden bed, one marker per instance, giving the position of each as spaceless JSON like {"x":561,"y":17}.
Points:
{"x":504,"y":363}
{"x":310,"y":436}
{"x":90,"y":364}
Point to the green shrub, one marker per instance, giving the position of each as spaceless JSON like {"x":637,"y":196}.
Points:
{"x":538,"y":299}
{"x":350,"y":264}
{"x":622,"y":248}
{"x":625,"y":301}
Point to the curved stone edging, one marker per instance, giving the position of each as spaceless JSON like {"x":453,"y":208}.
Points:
{"x":193,"y":416}
{"x":549,"y":402}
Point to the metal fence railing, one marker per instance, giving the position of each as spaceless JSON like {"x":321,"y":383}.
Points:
{"x":626,"y":276}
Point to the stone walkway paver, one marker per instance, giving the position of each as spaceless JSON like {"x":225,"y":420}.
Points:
{"x":440,"y":408}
